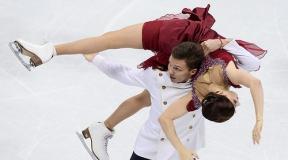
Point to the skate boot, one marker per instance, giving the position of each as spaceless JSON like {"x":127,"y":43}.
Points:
{"x":98,"y":135}
{"x":32,"y":55}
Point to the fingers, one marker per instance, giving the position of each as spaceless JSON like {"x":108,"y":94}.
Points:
{"x":257,"y":133}
{"x":89,"y":57}
{"x":205,"y":48}
{"x":195,"y":156}
{"x":256,"y":138}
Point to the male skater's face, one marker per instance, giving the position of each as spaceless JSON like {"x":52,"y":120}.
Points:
{"x":179,"y":71}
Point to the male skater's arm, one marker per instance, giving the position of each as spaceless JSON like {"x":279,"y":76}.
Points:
{"x":126,"y":75}
{"x":244,"y":58}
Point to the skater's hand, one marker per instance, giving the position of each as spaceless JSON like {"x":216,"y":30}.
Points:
{"x":256,"y":135}
{"x":212,"y":45}
{"x":186,"y":154}
{"x":89,"y":57}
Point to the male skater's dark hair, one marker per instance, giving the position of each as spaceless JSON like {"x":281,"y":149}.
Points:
{"x":191,"y":52}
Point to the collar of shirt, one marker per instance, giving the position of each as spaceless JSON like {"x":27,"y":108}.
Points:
{"x":165,"y":80}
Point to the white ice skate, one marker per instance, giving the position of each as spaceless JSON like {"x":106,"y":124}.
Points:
{"x":37,"y":54}
{"x":98,"y":135}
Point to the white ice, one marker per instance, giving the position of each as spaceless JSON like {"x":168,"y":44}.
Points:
{"x":41,"y":110}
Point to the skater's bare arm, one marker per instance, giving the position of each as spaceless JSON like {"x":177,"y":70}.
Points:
{"x":242,"y":77}
{"x":174,"y":111}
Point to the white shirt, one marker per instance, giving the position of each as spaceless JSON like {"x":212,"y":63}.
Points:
{"x":245,"y":59}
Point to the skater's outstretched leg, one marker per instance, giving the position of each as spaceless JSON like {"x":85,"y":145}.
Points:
{"x":100,"y":132}
{"x":128,"y":37}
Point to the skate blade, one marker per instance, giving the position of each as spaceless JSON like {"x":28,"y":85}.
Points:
{"x":82,"y":139}
{"x":17,"y":51}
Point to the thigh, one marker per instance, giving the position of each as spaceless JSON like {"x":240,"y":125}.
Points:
{"x":136,"y":157}
{"x":128,"y":37}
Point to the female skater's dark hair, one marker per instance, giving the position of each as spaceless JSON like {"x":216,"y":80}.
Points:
{"x":217,"y":108}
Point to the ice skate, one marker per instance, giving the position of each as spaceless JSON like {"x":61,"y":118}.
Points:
{"x":82,"y":139}
{"x":98,"y":135}
{"x":31,"y":55}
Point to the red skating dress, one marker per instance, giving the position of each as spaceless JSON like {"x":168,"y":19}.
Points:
{"x":161,"y":35}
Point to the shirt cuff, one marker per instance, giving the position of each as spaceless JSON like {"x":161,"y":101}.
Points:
{"x":232,"y":44}
{"x":98,"y":59}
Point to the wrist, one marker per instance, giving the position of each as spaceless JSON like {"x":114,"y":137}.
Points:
{"x":221,"y":43}
{"x":259,"y":120}
{"x":226,"y":41}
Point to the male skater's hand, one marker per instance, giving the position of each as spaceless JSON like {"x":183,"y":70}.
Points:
{"x":256,"y":135}
{"x":186,"y":154}
{"x":89,"y":57}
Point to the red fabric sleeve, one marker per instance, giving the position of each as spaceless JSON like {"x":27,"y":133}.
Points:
{"x":252,"y":48}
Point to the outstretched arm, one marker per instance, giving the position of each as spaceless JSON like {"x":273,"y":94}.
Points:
{"x":174,"y":111}
{"x":242,"y":77}
{"x":126,"y":75}
{"x":244,"y":58}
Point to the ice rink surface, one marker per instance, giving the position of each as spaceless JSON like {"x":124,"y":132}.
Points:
{"x":41,"y":110}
